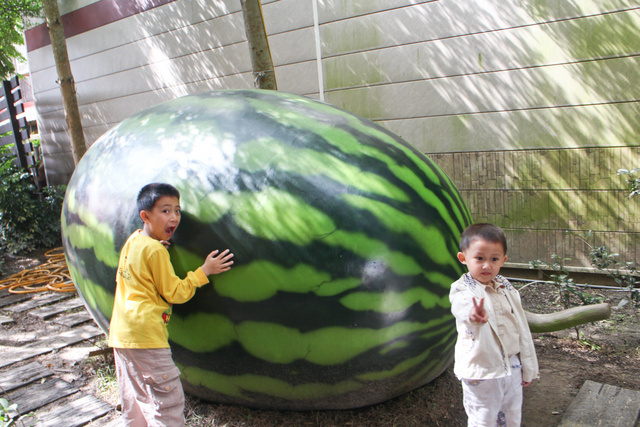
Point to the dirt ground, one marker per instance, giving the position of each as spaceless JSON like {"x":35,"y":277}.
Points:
{"x":607,"y":352}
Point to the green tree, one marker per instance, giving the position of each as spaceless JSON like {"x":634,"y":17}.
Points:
{"x":12,"y":13}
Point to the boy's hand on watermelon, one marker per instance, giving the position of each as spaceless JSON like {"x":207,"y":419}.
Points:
{"x":217,"y":262}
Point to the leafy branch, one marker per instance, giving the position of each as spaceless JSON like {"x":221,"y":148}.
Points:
{"x":633,"y":181}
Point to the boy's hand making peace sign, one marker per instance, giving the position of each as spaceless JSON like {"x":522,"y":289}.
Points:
{"x":478,"y":313}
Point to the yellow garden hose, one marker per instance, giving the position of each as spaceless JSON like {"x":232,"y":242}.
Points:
{"x":53,"y":275}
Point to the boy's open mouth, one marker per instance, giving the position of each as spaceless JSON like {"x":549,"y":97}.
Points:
{"x":170,"y":230}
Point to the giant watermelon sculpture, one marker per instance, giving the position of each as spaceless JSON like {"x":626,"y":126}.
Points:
{"x":344,"y":239}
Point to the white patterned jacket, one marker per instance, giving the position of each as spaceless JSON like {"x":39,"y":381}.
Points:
{"x":479,"y":353}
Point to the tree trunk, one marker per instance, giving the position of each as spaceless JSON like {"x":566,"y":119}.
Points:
{"x":65,"y":78}
{"x":567,"y":318}
{"x":261,"y":63}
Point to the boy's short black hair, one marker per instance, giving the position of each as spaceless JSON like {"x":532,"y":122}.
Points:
{"x":150,"y":193}
{"x":489,"y":232}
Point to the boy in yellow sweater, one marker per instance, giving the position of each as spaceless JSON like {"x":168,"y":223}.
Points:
{"x":146,"y":289}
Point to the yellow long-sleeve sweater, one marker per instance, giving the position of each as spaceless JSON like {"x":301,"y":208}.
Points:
{"x":146,"y":287}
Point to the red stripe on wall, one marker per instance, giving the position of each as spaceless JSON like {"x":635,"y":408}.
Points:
{"x":90,"y":17}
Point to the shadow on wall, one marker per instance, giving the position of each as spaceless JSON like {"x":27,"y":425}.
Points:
{"x":536,"y":83}
{"x":443,"y":75}
{"x":500,"y":74}
{"x":189,"y":51}
{"x":145,"y":59}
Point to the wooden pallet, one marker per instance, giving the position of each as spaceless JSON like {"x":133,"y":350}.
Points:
{"x":12,"y":355}
{"x":603,"y":405}
{"x":32,"y":386}
{"x":23,"y":375}
{"x":39,"y":300}
{"x":77,"y":413}
{"x":49,"y":311}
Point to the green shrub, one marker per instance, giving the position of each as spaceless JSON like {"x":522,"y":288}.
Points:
{"x":625,"y":274}
{"x":569,"y":294}
{"x":29,"y":219}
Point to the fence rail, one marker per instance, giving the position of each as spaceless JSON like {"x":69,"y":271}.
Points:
{"x":11,"y":108}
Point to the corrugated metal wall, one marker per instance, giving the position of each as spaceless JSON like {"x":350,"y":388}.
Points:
{"x":530,"y":106}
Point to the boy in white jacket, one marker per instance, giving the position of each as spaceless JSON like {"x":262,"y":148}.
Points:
{"x":494,"y":355}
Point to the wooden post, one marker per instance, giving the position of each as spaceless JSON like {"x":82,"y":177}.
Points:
{"x":65,"y":78}
{"x":261,"y":62}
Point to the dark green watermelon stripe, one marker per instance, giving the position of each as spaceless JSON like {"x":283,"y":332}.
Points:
{"x":253,"y":244}
{"x":379,"y":144}
{"x":84,"y":231}
{"x":307,"y":162}
{"x":361,"y":125}
{"x":248,"y":385}
{"x":407,"y":241}
{"x":282,"y":217}
{"x":333,"y":361}
{"x":295,"y":162}
{"x":433,"y":173}
{"x":422,"y":162}
{"x":93,"y":294}
{"x":221,"y":202}
{"x":250,"y":248}
{"x":305,"y":312}
{"x":428,"y":238}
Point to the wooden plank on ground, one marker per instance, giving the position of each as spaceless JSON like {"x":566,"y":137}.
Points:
{"x":603,"y":405}
{"x":13,"y":378}
{"x":14,"y":299}
{"x":5,"y":320}
{"x":79,"y":412}
{"x":11,"y":355}
{"x":39,"y":301}
{"x":37,"y":395}
{"x":116,"y":422}
{"x":49,"y":311}
{"x":73,"y":319}
{"x":70,"y":337}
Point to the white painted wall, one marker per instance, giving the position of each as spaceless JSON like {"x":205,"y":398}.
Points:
{"x":450,"y":76}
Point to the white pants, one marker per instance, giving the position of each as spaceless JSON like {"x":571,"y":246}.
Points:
{"x":495,"y":402}
{"x":150,"y":389}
